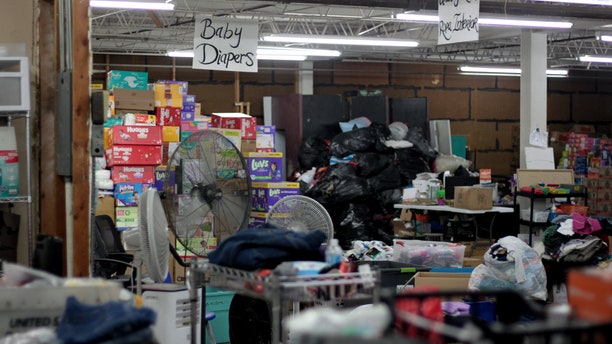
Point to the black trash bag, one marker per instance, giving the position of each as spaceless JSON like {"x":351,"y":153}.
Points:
{"x":354,"y":224}
{"x":339,"y":184}
{"x":389,"y":178}
{"x":369,"y":139}
{"x":410,"y":162}
{"x":369,"y":163}
{"x":389,"y":198}
{"x":415,"y":136}
{"x":314,"y":152}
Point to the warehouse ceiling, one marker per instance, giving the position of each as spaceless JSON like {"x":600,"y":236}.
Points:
{"x":138,"y":32}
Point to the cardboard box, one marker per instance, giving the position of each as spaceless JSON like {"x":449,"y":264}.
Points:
{"x":133,"y":174}
{"x":168,"y":149}
{"x":473,"y":198}
{"x":198,"y":109}
{"x":126,"y":217}
{"x":166,"y":94}
{"x":444,"y":280}
{"x":472,"y":262}
{"x":187,"y":115}
{"x":106,"y":206}
{"x":133,"y":155}
{"x":265,"y":140}
{"x":257,"y":219}
{"x":144,"y":119}
{"x":9,"y":173}
{"x":528,"y":177}
{"x":234,"y":120}
{"x":183,"y":86}
{"x":133,"y":135}
{"x":168,"y":116}
{"x":127,"y":80}
{"x":588,"y":292}
{"x":161,"y":174}
{"x":265,"y":167}
{"x":248,"y":146}
{"x":9,"y":163}
{"x":191,"y":126}
{"x":266,"y":195}
{"x":140,"y":100}
{"x":233,"y":135}
{"x":171,"y":133}
{"x":189,"y":99}
{"x":128,"y":194}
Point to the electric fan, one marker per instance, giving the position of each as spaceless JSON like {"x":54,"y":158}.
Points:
{"x":207,"y":191}
{"x":301,"y":214}
{"x":150,"y":240}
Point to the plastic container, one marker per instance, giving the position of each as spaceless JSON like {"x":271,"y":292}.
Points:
{"x":333,"y":252}
{"x":219,"y":301}
{"x":431,"y":254}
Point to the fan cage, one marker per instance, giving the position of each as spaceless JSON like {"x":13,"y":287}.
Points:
{"x":301,"y":213}
{"x":154,"y":236}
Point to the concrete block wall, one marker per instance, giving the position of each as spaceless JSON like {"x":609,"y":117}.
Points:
{"x":484,"y":109}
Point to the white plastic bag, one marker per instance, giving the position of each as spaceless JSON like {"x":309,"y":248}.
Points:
{"x":511,"y":263}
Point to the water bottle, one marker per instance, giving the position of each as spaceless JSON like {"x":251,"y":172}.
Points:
{"x":333,"y":253}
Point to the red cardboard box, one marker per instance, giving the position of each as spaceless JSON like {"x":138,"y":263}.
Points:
{"x":235,"y":120}
{"x":134,"y":135}
{"x":168,"y":116}
{"x":588,"y":293}
{"x":133,"y":155}
{"x":133,"y":174}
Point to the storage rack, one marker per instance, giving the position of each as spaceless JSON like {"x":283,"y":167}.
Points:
{"x":15,"y":105}
{"x":280,"y":289}
{"x":533,"y":196}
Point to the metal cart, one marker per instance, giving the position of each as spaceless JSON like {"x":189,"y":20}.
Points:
{"x":280,"y":290}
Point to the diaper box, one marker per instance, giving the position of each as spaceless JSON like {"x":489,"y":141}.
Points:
{"x":133,"y":155}
{"x":128,"y":194}
{"x":266,"y":195}
{"x":134,"y":135}
{"x":133,"y":174}
{"x":265,"y":167}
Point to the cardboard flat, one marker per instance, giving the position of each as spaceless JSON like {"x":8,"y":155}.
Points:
{"x":444,"y":280}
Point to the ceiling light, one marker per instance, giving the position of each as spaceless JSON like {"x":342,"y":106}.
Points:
{"x":297,"y":51}
{"x":501,"y":71}
{"x":341,"y":40}
{"x":582,"y":2}
{"x":281,"y":57}
{"x":134,"y":4}
{"x":604,"y":37}
{"x":180,"y":53}
{"x":431,"y":18}
{"x":596,"y":59}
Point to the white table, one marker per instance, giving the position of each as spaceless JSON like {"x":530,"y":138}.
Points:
{"x":449,"y":209}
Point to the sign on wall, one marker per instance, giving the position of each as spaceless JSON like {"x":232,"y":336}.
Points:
{"x":225,"y":44}
{"x":458,"y":21}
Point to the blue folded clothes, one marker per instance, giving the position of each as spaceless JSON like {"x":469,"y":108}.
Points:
{"x":265,"y":248}
{"x":110,"y":323}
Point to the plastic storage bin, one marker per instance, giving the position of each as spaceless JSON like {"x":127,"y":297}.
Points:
{"x":431,"y":254}
{"x":219,"y":301}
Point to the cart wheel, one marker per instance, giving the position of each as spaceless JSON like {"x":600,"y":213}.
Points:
{"x":249,"y":321}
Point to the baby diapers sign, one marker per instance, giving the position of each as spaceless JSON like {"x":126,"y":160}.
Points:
{"x":9,"y":163}
{"x":225,"y":44}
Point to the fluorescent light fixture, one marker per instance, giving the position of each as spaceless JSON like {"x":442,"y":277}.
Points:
{"x":596,"y":59}
{"x":501,"y":71}
{"x":180,"y":53}
{"x":582,"y":2}
{"x":297,"y":51}
{"x":281,"y":57}
{"x":133,"y":4}
{"x":431,"y":18}
{"x":604,"y":37}
{"x":341,"y":40}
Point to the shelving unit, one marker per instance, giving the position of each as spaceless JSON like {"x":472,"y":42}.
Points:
{"x":532,"y":196}
{"x":15,"y":106}
{"x":280,"y":289}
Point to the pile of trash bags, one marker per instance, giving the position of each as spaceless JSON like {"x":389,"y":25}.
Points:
{"x":359,"y":175}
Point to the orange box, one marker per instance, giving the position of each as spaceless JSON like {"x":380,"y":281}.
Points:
{"x":171,"y":133}
{"x":588,"y":292}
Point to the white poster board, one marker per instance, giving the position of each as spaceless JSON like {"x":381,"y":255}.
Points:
{"x":539,"y":158}
{"x":458,"y":21}
{"x":225,"y":44}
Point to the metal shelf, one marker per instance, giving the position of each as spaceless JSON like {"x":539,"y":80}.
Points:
{"x":279,"y":289}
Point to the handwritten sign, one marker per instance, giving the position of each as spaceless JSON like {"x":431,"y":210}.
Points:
{"x":225,"y":44}
{"x":458,"y":21}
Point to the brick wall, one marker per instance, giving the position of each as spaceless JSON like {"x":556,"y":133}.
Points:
{"x":484,"y":109}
